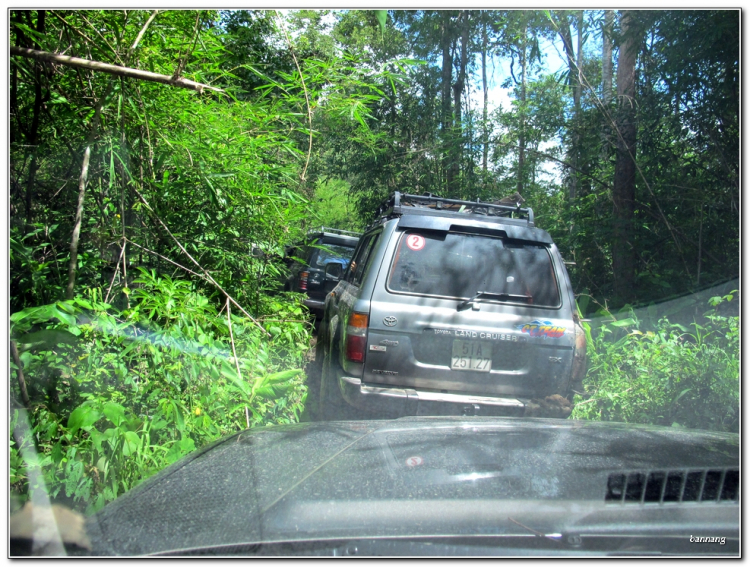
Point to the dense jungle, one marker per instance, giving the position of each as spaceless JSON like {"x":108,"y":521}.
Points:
{"x":161,"y":162}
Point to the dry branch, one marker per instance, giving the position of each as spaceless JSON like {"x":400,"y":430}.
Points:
{"x":188,"y":270}
{"x":307,"y":98}
{"x":206,"y":275}
{"x":234,"y":352}
{"x":47,"y":57}
{"x":82,"y":182}
{"x":117,"y":271}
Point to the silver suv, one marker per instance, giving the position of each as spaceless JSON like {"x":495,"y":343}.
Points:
{"x":447,"y":308}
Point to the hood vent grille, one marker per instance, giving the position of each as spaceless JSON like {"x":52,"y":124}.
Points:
{"x":664,"y":487}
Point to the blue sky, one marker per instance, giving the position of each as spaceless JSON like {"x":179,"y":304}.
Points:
{"x":498,"y":70}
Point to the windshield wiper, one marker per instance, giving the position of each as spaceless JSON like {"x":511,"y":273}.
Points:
{"x":465,"y":304}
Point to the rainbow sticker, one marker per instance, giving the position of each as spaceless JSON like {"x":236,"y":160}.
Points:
{"x":542,"y":329}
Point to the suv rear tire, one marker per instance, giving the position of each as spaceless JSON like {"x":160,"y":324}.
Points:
{"x":332,"y":404}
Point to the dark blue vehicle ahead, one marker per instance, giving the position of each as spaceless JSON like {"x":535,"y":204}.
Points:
{"x":308,"y":261}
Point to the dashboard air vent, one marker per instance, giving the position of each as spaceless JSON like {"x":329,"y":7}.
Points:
{"x":659,"y":487}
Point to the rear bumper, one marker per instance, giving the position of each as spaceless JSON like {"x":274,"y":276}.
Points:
{"x":397,"y":402}
{"x":315,"y":305}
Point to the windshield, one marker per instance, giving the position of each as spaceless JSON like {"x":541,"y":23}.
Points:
{"x":459,"y":265}
{"x":532,"y":345}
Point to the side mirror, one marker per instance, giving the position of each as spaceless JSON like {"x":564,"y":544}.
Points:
{"x":334,"y":271}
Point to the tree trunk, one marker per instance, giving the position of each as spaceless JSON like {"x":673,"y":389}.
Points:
{"x":579,"y":64}
{"x":32,"y":135}
{"x":575,"y":140}
{"x":609,"y":16}
{"x":82,"y":180}
{"x":485,"y":93}
{"x":14,"y":16}
{"x":623,"y":191}
{"x":446,"y":122}
{"x":522,"y":132}
{"x":13,"y":99}
{"x":458,"y":89}
{"x":33,"y":141}
{"x":567,"y":39}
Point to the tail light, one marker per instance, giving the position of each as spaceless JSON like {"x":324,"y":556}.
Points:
{"x":356,"y":337}
{"x":303,"y":280}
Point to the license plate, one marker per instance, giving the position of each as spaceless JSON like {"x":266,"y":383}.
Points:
{"x":475,"y":356}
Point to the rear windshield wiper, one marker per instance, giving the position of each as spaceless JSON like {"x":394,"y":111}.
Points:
{"x":465,"y":304}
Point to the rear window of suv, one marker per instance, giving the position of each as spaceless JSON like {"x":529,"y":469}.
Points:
{"x":332,"y":253}
{"x":457,"y":265}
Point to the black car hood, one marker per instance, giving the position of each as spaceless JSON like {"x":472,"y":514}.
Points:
{"x":408,"y":477}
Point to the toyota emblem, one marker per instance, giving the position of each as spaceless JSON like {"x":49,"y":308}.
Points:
{"x":389,"y":321}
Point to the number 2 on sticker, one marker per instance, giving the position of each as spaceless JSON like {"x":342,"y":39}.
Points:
{"x":415,"y":242}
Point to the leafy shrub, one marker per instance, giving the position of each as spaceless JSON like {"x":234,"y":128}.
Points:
{"x":672,"y":375}
{"x":118,"y":395}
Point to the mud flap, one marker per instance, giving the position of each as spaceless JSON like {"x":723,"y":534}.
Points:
{"x":314,"y":375}
{"x":579,"y":362}
{"x":551,"y":406}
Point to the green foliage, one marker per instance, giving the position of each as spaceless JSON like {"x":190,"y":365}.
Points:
{"x":137,"y":389}
{"x":121,"y":388}
{"x":333,"y":205}
{"x":127,"y":380}
{"x":686,"y":215}
{"x":34,"y":265}
{"x":672,"y":375}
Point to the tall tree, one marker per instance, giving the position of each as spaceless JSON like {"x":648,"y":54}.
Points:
{"x":30,"y":130}
{"x":446,"y":41}
{"x":564,"y":22}
{"x":606,"y":32}
{"x":523,"y":56}
{"x":485,"y":94}
{"x":623,"y":190}
{"x":464,"y":21}
{"x":520,"y":32}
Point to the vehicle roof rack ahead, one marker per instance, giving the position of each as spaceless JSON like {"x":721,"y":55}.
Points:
{"x":403,"y":204}
{"x":335,"y":231}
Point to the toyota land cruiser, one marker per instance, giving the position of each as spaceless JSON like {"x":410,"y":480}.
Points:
{"x":448,"y":307}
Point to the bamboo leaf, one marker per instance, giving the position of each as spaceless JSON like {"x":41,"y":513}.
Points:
{"x":382,"y":16}
{"x":82,"y":417}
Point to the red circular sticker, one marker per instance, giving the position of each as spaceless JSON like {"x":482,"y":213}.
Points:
{"x":415,"y":242}
{"x":414,"y":461}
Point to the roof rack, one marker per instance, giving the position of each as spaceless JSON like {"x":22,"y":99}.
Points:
{"x":334,"y":231}
{"x":402,"y":203}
